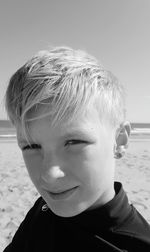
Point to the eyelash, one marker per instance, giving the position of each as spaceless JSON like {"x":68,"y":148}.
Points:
{"x":75,"y":142}
{"x":32,"y":146}
{"x":67,"y":143}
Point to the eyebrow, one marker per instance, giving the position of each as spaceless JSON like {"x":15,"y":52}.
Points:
{"x":79,"y":133}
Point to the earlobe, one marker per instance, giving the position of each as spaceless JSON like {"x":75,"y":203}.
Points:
{"x":122,"y":139}
{"x":127,"y":127}
{"x":123,"y":133}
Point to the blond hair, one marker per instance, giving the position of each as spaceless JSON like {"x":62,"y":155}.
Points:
{"x":68,"y":81}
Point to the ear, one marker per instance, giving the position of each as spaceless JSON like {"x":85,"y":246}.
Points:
{"x":122,"y":135}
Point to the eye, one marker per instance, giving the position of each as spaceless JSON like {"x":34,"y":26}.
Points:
{"x":74,"y":142}
{"x":31,"y":147}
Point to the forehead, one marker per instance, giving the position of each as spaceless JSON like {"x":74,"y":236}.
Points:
{"x":85,"y":123}
{"x":45,"y":109}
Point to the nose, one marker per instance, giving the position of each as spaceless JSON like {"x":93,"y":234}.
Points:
{"x":52,"y":173}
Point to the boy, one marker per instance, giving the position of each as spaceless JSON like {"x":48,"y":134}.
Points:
{"x":70,"y":120}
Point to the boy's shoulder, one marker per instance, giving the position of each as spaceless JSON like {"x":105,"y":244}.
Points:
{"x":34,"y":214}
{"x":134,"y":227}
{"x":30,"y":227}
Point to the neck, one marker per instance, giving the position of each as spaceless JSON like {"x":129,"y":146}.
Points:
{"x":104,"y":199}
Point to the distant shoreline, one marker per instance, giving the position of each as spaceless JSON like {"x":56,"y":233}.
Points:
{"x":133,"y":137}
{"x":7,"y":124}
{"x":140,"y":131}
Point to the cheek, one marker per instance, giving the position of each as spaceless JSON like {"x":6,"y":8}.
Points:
{"x":33,"y":165}
{"x":98,"y":163}
{"x":84,"y":165}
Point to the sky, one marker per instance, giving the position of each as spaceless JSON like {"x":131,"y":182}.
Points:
{"x":116,"y":32}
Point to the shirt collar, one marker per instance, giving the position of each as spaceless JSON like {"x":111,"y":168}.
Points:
{"x":106,"y":217}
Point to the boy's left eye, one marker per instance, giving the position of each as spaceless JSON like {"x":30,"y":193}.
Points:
{"x":31,"y":147}
{"x":74,"y":142}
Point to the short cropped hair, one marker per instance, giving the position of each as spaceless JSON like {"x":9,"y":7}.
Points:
{"x":67,"y":81}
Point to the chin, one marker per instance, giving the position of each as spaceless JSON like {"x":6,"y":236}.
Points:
{"x":66,"y":212}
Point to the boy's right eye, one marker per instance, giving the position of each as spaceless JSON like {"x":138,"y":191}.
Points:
{"x":31,"y":147}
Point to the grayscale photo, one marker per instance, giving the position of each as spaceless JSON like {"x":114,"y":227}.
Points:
{"x":75,"y":126}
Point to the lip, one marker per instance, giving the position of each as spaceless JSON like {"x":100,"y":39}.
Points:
{"x":62,"y":195}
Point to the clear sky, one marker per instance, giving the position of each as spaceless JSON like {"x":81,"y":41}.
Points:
{"x":117,"y":32}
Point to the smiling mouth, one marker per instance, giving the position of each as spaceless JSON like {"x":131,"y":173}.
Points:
{"x":62,"y":195}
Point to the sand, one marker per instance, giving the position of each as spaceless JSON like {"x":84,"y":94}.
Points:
{"x":17,"y":193}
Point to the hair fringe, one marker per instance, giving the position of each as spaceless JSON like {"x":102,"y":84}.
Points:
{"x":68,"y":80}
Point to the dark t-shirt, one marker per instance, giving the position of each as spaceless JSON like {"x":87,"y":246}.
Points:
{"x":116,"y":226}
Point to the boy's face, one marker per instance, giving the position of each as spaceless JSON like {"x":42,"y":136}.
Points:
{"x":71,"y":165}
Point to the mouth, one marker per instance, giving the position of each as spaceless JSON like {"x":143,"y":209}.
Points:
{"x":62,"y":195}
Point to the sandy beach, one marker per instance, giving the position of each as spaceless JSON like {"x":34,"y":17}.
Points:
{"x":17,"y":193}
